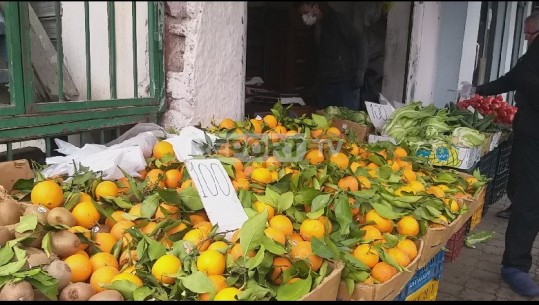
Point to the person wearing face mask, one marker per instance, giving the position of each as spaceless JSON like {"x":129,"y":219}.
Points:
{"x":523,"y":184}
{"x":341,"y":56}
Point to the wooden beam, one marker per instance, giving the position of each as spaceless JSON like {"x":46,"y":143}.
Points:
{"x":45,"y":64}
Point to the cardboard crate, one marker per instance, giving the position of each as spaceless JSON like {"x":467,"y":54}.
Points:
{"x":360,"y":131}
{"x":476,"y":217}
{"x":11,"y":171}
{"x":432,"y":271}
{"x":328,"y":288}
{"x":485,"y":148}
{"x":448,"y":155}
{"x":382,"y":292}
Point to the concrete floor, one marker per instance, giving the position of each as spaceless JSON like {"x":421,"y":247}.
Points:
{"x":475,"y":274}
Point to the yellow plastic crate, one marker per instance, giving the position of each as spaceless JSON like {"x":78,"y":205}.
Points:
{"x":476,"y":217}
{"x":426,"y":293}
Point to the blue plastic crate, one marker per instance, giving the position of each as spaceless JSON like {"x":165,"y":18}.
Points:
{"x":433,"y":270}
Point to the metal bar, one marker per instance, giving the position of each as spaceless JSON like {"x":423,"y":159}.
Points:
{"x":71,"y":116}
{"x":73,"y":127}
{"x":111,"y":12}
{"x":26,"y":57}
{"x":117,"y":132}
{"x":48,"y":146}
{"x":64,"y":106}
{"x":135,"y":63}
{"x":152,"y":47}
{"x":9,"y":152}
{"x":88,"y":61}
{"x":81,"y":139}
{"x":59,"y":51}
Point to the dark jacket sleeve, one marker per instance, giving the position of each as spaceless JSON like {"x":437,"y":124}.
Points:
{"x":355,"y":39}
{"x":503,"y":84}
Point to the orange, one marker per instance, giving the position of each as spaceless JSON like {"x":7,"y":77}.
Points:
{"x":280,"y":265}
{"x":105,"y":241}
{"x":128,"y":277}
{"x":182,"y":226}
{"x":166,"y":265}
{"x":316,"y":133}
{"x":82,"y":252}
{"x":400,"y":152}
{"x":312,"y":228}
{"x":275,"y":234}
{"x":260,"y":207}
{"x":339,"y":159}
{"x":205,"y":226}
{"x":198,"y":217}
{"x":383,"y":224}
{"x":84,"y":197}
{"x":364,"y":182}
{"x":367,"y":255}
{"x":272,"y":161}
{"x":270,"y":121}
{"x":436,"y":191}
{"x":85,"y":232}
{"x":220,"y":246}
{"x":241,"y":183}
{"x":81,"y":269}
{"x":116,"y":216}
{"x":187,"y":183}
{"x":227,"y":294}
{"x":219,"y":282}
{"x":118,"y":229}
{"x":294,"y":238}
{"x":227,"y":123}
{"x":142,"y":174}
{"x":303,"y":250}
{"x":328,"y":227}
{"x":371,"y":233}
{"x":173,"y":178}
{"x":282,"y":223}
{"x":172,"y":211}
{"x":261,"y":175}
{"x":236,"y":251}
{"x":48,"y":194}
{"x":197,"y":237}
{"x":102,"y":276}
{"x":123,"y":185}
{"x":409,"y":247}
{"x":408,"y":175}
{"x":156,"y":177}
{"x":211,"y":262}
{"x":102,"y":259}
{"x":400,"y":257}
{"x":161,"y":148}
{"x":348,"y":183}
{"x":128,"y":256}
{"x":86,"y":214}
{"x":444,"y":223}
{"x":333,"y":132}
{"x":383,"y":272}
{"x":408,"y":225}
{"x":136,"y":210}
{"x":106,"y":188}
{"x":354,"y":166}
{"x":314,"y":156}
{"x":226,"y":150}
{"x":453,"y":205}
{"x":257,"y":125}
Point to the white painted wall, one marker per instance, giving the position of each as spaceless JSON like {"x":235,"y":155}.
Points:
{"x":213,"y":79}
{"x":423,"y":52}
{"x":469,"y":42}
{"x":75,"y":51}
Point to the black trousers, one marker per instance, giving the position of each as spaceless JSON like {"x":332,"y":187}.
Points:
{"x":523,"y":225}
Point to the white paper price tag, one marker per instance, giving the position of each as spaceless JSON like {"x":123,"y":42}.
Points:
{"x":375,"y":138}
{"x":379,"y":114}
{"x":217,"y":193}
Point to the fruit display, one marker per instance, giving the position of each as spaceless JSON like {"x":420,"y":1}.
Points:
{"x":313,"y":198}
{"x":490,"y":105}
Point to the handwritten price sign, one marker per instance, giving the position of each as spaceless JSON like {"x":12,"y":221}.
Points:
{"x":217,"y":194}
{"x":379,"y":114}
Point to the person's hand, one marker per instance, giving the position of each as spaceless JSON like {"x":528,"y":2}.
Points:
{"x":466,"y":90}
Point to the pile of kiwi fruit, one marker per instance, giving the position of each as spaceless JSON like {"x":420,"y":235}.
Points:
{"x":63,"y":243}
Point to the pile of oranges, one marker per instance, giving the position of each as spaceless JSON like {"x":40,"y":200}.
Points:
{"x":365,"y":205}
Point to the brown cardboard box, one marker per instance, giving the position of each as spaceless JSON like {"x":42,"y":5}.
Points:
{"x":328,"y":289}
{"x":387,"y":291}
{"x":361,"y":131}
{"x":11,"y":171}
{"x":485,"y":148}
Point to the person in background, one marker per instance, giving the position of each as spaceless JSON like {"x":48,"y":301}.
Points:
{"x":341,"y":56}
{"x":523,"y":225}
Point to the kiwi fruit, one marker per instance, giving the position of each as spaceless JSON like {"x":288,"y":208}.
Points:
{"x":61,"y":216}
{"x":20,"y":291}
{"x":11,"y":213}
{"x":107,"y":295}
{"x":60,"y":271}
{"x":37,"y":257}
{"x":35,"y":237}
{"x":39,"y":210}
{"x":77,"y":292}
{"x":5,"y":236}
{"x":64,"y":243}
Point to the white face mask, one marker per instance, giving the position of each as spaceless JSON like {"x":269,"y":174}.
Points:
{"x":309,"y":19}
